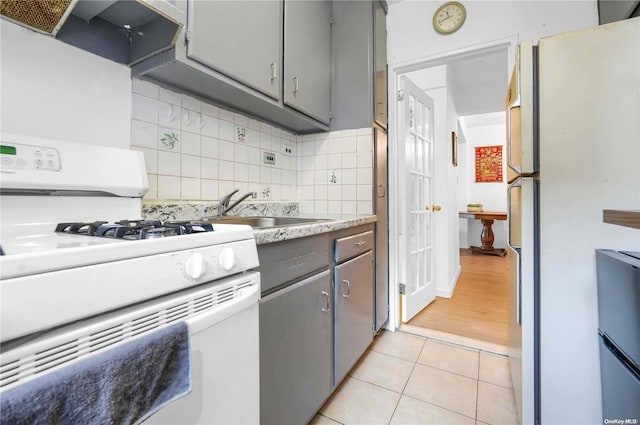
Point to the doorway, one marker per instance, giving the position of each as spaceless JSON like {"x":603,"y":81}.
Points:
{"x":479,"y":285}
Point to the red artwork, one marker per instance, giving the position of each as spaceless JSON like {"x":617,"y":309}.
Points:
{"x":488,"y":164}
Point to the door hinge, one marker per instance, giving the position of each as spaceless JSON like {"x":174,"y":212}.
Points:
{"x":330,"y":20}
{"x":330,"y":115}
{"x":187,"y":36}
{"x":400,"y":95}
{"x":403,"y":288}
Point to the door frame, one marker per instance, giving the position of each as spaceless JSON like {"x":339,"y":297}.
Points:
{"x":395,"y":72}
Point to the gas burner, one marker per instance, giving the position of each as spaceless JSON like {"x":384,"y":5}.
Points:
{"x":187,"y":227}
{"x":88,"y":229}
{"x":134,"y":229}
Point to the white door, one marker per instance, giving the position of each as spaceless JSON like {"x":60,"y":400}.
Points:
{"x":415,"y":196}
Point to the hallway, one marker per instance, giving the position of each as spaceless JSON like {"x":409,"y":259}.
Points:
{"x":478,"y":308}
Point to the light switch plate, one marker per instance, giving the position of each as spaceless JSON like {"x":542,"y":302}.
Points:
{"x":269,"y":158}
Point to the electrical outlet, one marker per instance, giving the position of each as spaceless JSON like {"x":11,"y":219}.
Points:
{"x":287,"y":149}
{"x":269,"y":158}
{"x":241,"y":134}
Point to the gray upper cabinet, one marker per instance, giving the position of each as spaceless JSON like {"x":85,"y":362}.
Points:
{"x":307,"y":57}
{"x":380,"y":63}
{"x":241,"y":39}
{"x":234,"y":54}
{"x":359,"y":83}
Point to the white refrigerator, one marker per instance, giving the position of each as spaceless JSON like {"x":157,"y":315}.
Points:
{"x":573,"y":115}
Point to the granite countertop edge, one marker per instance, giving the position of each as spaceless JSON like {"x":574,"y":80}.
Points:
{"x":284,"y":233}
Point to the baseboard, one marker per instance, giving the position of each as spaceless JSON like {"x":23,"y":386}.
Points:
{"x":448,"y":293}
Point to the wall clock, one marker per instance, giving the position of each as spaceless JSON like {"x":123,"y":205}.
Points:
{"x":449,"y":17}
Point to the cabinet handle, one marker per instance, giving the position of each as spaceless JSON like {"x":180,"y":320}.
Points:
{"x":295,"y":84}
{"x":359,"y":243}
{"x":326,"y":301}
{"x":274,"y":71}
{"x":348,"y":286}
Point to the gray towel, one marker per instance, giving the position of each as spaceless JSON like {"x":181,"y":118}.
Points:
{"x":124,"y":384}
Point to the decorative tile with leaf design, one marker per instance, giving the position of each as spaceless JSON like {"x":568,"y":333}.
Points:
{"x":169,"y":140}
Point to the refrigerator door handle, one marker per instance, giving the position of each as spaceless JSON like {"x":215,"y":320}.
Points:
{"x":516,"y":250}
{"x":510,"y":164}
{"x":517,"y":183}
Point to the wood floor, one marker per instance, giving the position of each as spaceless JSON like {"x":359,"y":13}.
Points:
{"x":478,"y":308}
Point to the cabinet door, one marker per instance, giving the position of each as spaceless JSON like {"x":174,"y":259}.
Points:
{"x":380,"y":63}
{"x":295,"y":351}
{"x":307,"y":57}
{"x":240,"y":39}
{"x":353,"y":326}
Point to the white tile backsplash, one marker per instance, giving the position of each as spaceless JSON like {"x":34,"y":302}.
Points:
{"x":168,"y":163}
{"x":210,"y":147}
{"x":198,"y":151}
{"x":144,"y":134}
{"x":168,"y":187}
{"x":189,"y":188}
{"x":191,"y":144}
{"x":190,"y":166}
{"x":144,"y":108}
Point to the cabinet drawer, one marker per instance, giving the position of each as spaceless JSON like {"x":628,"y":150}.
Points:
{"x":353,"y":245}
{"x":287,"y":261}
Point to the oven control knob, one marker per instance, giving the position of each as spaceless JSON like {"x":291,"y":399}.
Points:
{"x":227,"y":258}
{"x":195,"y":266}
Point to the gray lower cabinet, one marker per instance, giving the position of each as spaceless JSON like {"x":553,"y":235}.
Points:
{"x":353,"y":313}
{"x":295,"y":351}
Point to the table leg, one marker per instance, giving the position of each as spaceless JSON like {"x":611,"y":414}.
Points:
{"x":487,"y":241}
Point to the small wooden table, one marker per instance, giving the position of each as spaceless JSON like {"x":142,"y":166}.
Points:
{"x":487,"y":218}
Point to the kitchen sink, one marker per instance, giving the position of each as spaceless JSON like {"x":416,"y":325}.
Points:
{"x":260,"y":222}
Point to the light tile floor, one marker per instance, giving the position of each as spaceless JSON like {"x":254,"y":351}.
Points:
{"x":407,"y":379}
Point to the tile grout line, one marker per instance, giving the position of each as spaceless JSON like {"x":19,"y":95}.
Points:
{"x":478,"y":389}
{"x":424,"y":343}
{"x":440,"y":407}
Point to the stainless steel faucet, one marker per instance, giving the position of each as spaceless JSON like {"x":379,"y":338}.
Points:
{"x":224,"y":207}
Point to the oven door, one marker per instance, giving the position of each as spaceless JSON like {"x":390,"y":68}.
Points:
{"x":225,"y":361}
{"x":223,"y":325}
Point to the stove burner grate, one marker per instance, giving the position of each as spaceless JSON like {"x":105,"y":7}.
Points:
{"x":134,"y":229}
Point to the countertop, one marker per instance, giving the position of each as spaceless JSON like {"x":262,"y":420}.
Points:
{"x":628,"y":218}
{"x":277,"y":234}
{"x":168,"y":210}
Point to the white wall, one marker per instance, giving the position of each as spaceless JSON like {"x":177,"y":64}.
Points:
{"x":51,"y":89}
{"x":411,"y":36}
{"x":485,"y":130}
{"x":462,"y":187}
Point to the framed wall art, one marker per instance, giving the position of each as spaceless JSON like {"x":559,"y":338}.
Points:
{"x":454,"y":148}
{"x":489,"y":164}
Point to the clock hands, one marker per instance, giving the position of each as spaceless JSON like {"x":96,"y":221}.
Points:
{"x":448,"y":16}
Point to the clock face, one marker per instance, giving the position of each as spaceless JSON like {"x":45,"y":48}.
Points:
{"x":449,"y":17}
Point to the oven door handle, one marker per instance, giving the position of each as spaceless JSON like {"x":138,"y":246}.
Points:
{"x":200,"y":322}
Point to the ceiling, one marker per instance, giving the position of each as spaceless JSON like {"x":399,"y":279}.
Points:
{"x":477,"y":82}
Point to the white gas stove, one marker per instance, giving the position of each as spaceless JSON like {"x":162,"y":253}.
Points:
{"x":74,"y":245}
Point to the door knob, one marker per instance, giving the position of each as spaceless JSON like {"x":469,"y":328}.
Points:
{"x":437,"y":207}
